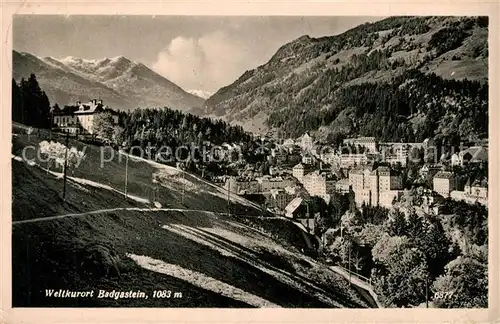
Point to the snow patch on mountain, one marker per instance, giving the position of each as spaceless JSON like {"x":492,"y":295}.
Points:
{"x":124,"y":84}
{"x":201,"y":93}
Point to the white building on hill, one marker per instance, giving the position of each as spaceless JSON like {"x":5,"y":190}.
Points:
{"x":81,"y":121}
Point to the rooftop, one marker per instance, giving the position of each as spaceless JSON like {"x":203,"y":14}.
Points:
{"x":343,"y":181}
{"x":480,"y":184}
{"x":293,"y":205}
{"x":478,"y":153}
{"x":443,"y":175}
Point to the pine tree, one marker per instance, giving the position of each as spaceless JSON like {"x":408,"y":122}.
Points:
{"x":35,"y":105}
{"x":17,"y":109}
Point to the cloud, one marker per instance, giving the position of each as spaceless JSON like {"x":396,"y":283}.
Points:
{"x":206,"y":63}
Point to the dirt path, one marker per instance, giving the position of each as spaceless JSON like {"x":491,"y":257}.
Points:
{"x":107,"y":210}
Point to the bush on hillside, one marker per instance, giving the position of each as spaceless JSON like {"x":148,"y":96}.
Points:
{"x":99,"y":260}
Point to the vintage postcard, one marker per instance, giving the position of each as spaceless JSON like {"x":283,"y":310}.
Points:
{"x":324,"y":161}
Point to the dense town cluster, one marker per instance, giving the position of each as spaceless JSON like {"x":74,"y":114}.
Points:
{"x":375,"y":173}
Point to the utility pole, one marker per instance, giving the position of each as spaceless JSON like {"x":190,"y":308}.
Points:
{"x":426,"y":292}
{"x":183,"y":186}
{"x":349,"y":248}
{"x":65,"y":166}
{"x":307,"y":217}
{"x":126,"y":175}
{"x":228,"y":196}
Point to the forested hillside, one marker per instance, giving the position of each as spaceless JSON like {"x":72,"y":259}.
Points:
{"x":418,"y":76}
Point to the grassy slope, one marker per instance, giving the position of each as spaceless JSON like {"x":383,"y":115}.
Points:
{"x":49,"y":254}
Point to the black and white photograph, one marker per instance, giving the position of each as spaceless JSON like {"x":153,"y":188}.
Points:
{"x":189,"y":161}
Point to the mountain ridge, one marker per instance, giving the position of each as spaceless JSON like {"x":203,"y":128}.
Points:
{"x":305,"y":77}
{"x":122,"y":83}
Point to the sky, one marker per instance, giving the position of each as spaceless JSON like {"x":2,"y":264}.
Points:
{"x":195,"y":52}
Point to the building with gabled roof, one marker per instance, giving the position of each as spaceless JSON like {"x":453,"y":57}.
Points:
{"x":79,"y":118}
{"x":474,"y":154}
{"x":292,"y":208}
{"x":306,"y":142}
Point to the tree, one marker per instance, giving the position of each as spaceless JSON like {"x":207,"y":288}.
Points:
{"x":371,"y":234}
{"x":397,"y":225}
{"x":118,"y":135}
{"x":56,"y":153}
{"x":33,"y":106}
{"x":432,"y":241}
{"x":414,"y":227}
{"x":38,"y":103}
{"x":399,"y":277}
{"x":338,"y":205}
{"x":467,"y":280}
{"x":103,"y":126}
{"x":44,"y":111}
{"x":17,"y":108}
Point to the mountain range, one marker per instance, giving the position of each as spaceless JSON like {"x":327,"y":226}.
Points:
{"x":121,"y":83}
{"x":308,"y":84}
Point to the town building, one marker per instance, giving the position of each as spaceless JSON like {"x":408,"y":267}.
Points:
{"x":349,"y":160}
{"x":279,"y":154}
{"x":472,"y":193}
{"x":360,"y":183}
{"x":375,"y":187}
{"x":444,"y":183}
{"x":342,"y":186}
{"x":306,"y":142}
{"x":394,"y":153}
{"x":79,"y":119}
{"x":367,"y":142}
{"x":278,"y":199}
{"x":330,"y":158}
{"x":390,"y":185}
{"x":318,"y":184}
{"x":266,"y":183}
{"x":396,"y":158}
{"x":241,"y":185}
{"x":474,"y":154}
{"x":428,"y":171}
{"x":297,"y":208}
{"x":308,"y":158}
{"x":404,"y":150}
{"x":299,"y":171}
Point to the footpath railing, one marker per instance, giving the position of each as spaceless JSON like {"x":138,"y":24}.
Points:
{"x":366,"y":280}
{"x":358,"y":280}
